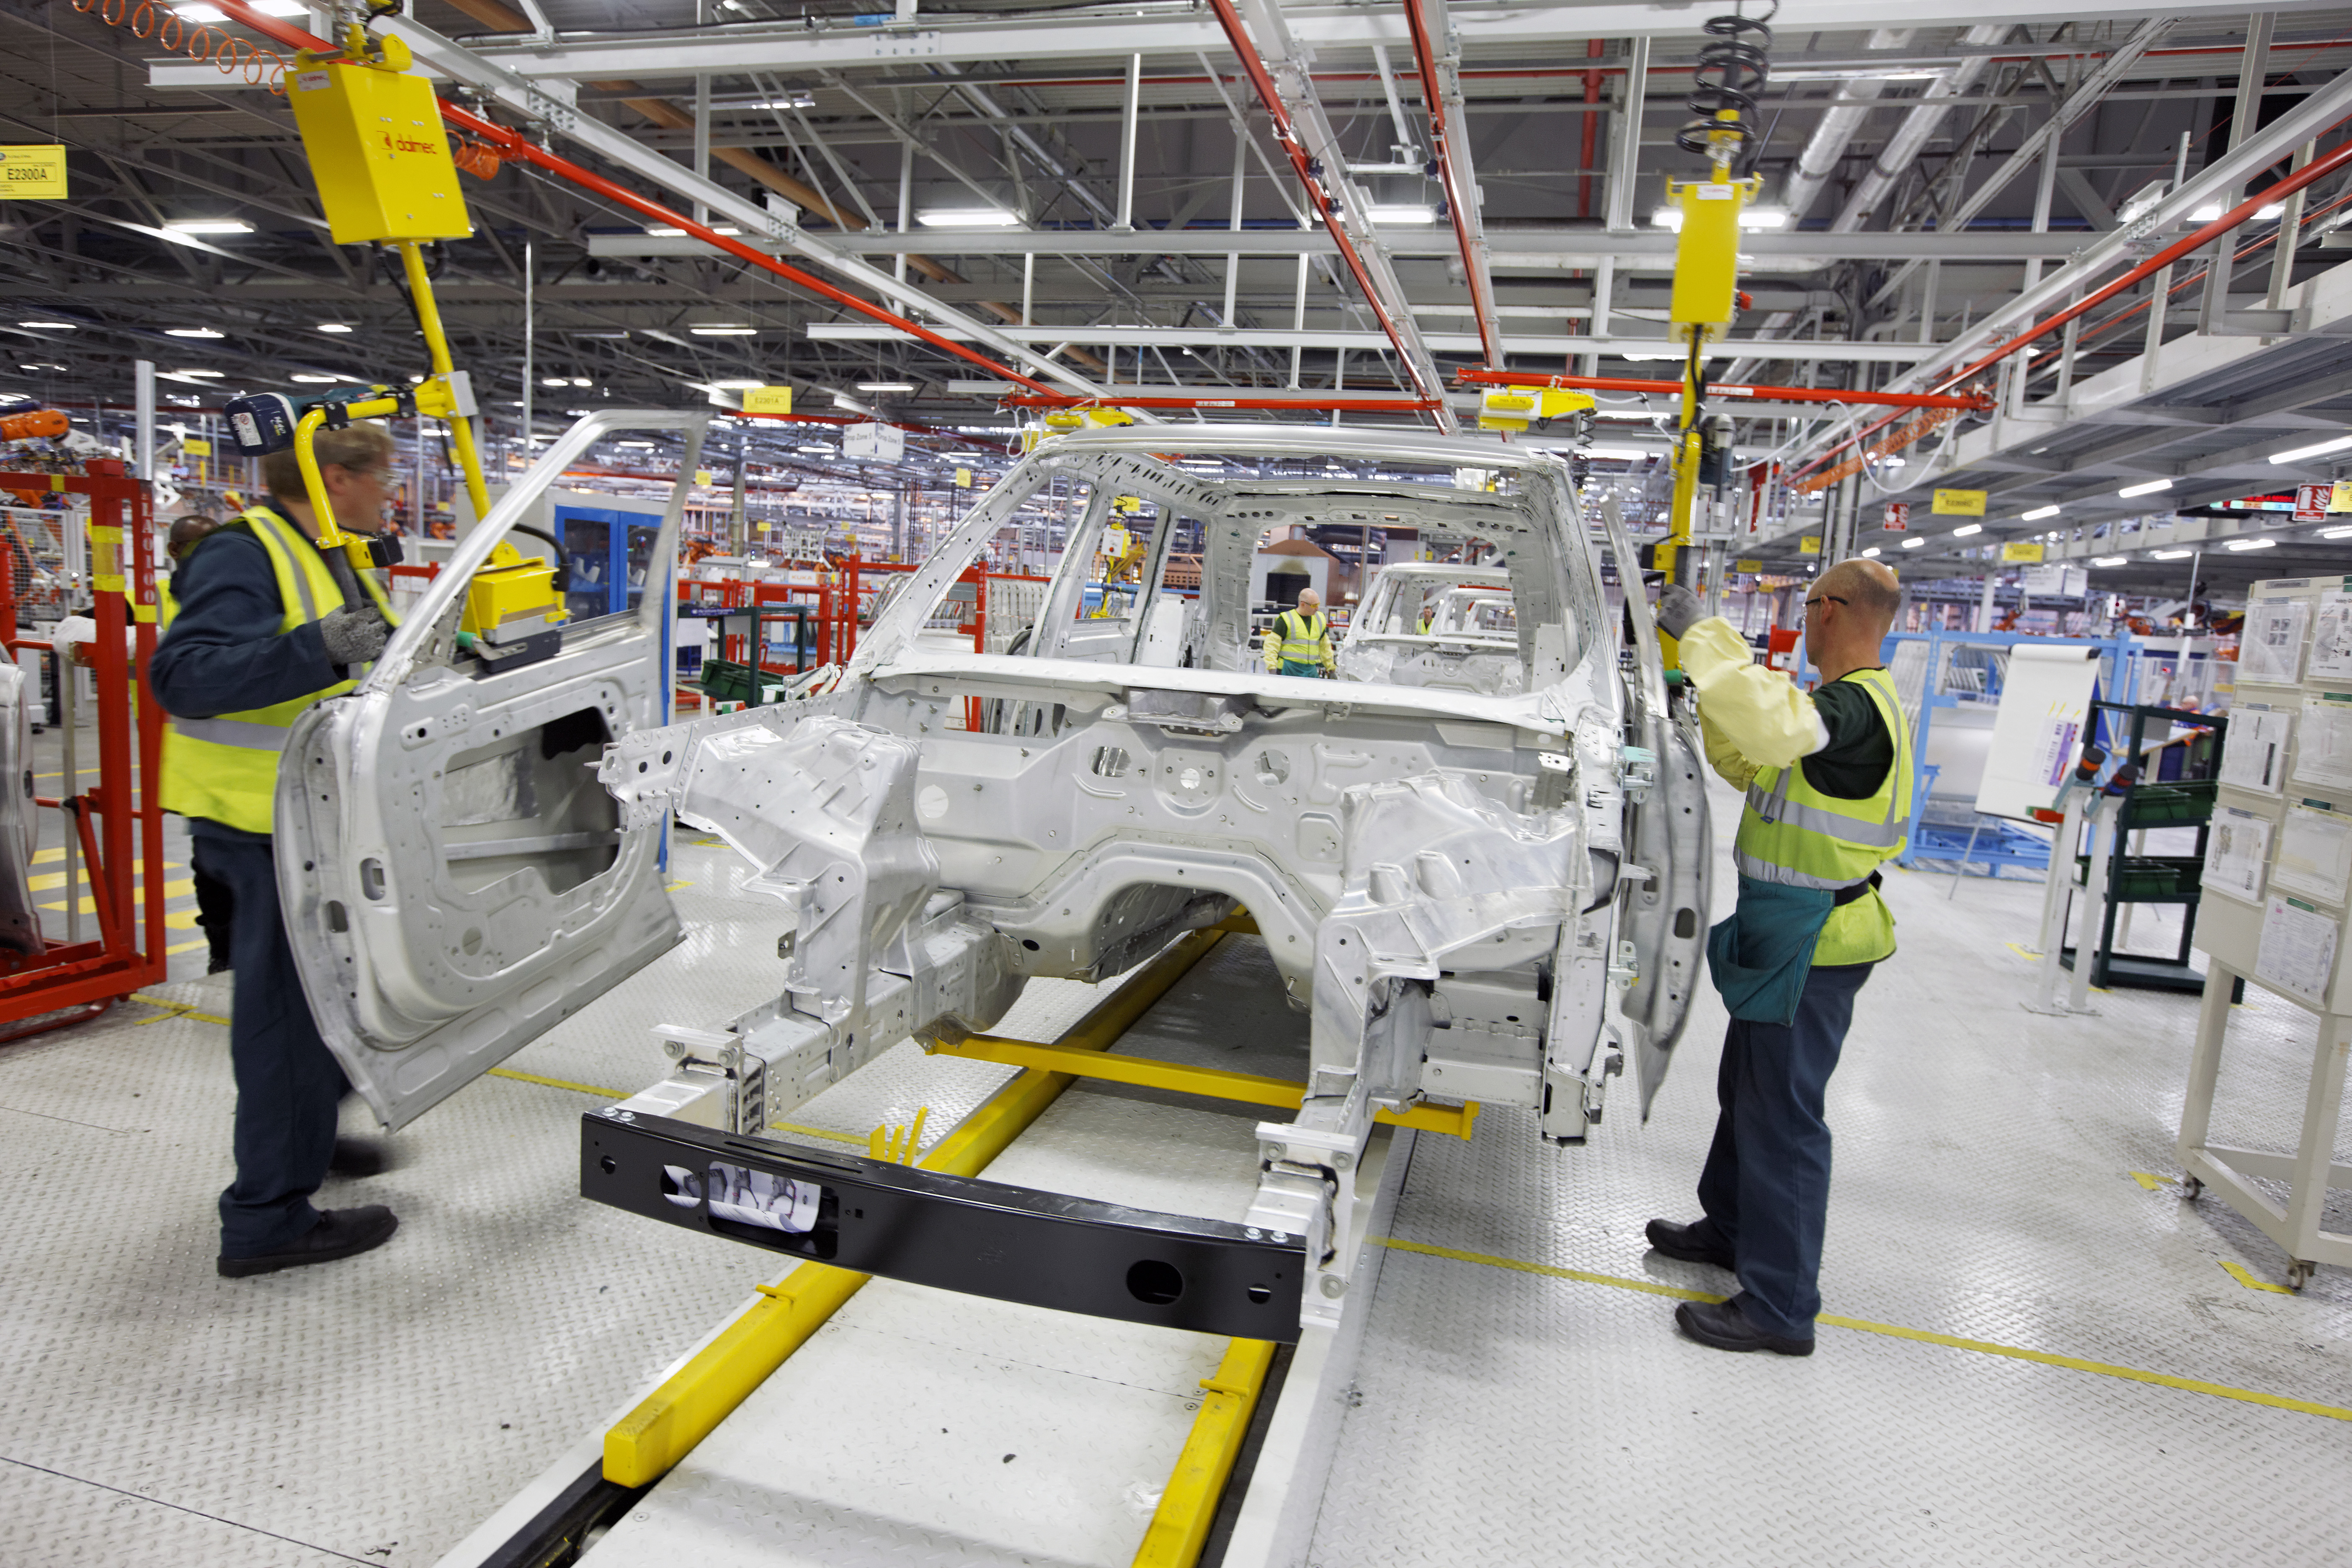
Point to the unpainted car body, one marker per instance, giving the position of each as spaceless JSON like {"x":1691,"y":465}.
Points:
{"x":1473,"y":895}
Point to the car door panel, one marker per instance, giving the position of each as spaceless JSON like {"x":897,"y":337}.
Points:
{"x":455,"y":879}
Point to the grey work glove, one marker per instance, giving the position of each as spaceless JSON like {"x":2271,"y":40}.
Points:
{"x":1678,"y":609}
{"x":353,"y":637}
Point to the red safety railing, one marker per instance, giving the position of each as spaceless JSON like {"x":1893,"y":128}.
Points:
{"x":117,"y":823}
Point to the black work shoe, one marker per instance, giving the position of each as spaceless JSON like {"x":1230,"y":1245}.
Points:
{"x":1724,"y":1326}
{"x":339,"y":1233}
{"x":1679,"y":1241}
{"x":358,"y":1157}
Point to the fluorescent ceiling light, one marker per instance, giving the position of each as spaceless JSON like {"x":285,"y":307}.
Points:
{"x":2297,"y":453}
{"x":665,"y":231}
{"x":553,"y":381}
{"x":886,"y":387}
{"x":968,"y":217}
{"x":2110,"y":560}
{"x":1616,"y":454}
{"x":2212,"y":210}
{"x":2170,"y":555}
{"x":1754,"y":217}
{"x":1913,"y":544}
{"x":582,"y":381}
{"x":199,"y":14}
{"x":41,"y":366}
{"x":736,"y":386}
{"x":1872,"y":553}
{"x":1965,"y":529}
{"x":815,"y":451}
{"x":641,"y":446}
{"x":2038,"y":513}
{"x":192,"y":332}
{"x":2252,"y":543}
{"x":797,"y":101}
{"x":735,"y":330}
{"x":333,"y":327}
{"x":208,"y":225}
{"x":52,"y":326}
{"x":1401,"y":212}
{"x":2149,"y":488}
{"x":1671,"y":359}
{"x":315,"y":380}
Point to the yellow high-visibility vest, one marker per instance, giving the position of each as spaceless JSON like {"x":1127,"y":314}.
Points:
{"x":225,"y":768}
{"x":1793,"y":835}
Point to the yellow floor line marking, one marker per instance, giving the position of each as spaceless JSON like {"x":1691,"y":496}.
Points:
{"x":826,"y":1132}
{"x":186,"y":946}
{"x":2238,"y":1271}
{"x":560,"y":1083}
{"x":180,"y":1010}
{"x":177,"y":1010}
{"x":1924,"y":1336}
{"x":2151,"y":1181}
{"x":674,"y":887}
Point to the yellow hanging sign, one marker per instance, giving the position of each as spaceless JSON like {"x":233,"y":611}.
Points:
{"x":2019,"y":550}
{"x":192,"y":446}
{"x":1747,"y":563}
{"x":767,"y":400}
{"x":963,"y":479}
{"x":1959,"y":503}
{"x":33,"y":172}
{"x":1811,"y":544}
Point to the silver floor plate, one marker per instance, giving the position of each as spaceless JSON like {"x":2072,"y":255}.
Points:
{"x":377,"y":1410}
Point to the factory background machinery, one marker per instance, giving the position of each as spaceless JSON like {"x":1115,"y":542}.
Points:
{"x":810,"y":421}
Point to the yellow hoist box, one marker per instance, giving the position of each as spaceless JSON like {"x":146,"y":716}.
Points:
{"x":378,"y":151}
{"x":511,"y":593}
{"x":1706,"y":254}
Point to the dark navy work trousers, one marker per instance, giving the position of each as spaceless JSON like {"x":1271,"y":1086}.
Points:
{"x":287,"y":1082}
{"x":1766,"y":1187}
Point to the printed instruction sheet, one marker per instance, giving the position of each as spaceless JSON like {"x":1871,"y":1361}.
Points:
{"x":2237,"y":847}
{"x":2270,"y":649}
{"x":2331,"y":638}
{"x":2298,"y":949}
{"x":2325,"y":754}
{"x":2314,"y":855}
{"x":2254,"y":755}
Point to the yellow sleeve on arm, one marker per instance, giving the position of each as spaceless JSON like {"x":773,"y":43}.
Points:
{"x":1723,"y":756}
{"x":1757,"y":711}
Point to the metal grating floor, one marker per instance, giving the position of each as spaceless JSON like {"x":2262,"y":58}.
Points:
{"x":375,"y":1411}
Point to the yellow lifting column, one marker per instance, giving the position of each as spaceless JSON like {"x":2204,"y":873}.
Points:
{"x":380,"y":158}
{"x":1707,"y":275}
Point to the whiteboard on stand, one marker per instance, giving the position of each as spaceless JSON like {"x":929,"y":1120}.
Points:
{"x":2038,"y":733}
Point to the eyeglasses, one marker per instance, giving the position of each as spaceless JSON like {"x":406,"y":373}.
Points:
{"x":1817,"y":598}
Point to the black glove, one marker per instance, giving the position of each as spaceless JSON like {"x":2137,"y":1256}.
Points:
{"x":353,"y":637}
{"x":1678,"y":609}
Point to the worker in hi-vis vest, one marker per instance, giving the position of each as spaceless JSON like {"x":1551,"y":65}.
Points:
{"x":260,"y":624}
{"x":1828,"y":779}
{"x":1299,"y":640}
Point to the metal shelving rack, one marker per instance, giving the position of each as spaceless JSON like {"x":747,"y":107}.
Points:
{"x":2184,"y":799}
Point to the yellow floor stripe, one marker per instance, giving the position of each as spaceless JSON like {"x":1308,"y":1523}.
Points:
{"x":185,"y":946}
{"x":2239,"y":1272}
{"x":816,"y":1132}
{"x":560,"y":1083}
{"x":1896,"y":1330}
{"x":177,"y":1010}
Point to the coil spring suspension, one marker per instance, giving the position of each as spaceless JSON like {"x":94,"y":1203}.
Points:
{"x":1733,"y":66}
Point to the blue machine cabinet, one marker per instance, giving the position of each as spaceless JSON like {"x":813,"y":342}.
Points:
{"x":610,"y":552}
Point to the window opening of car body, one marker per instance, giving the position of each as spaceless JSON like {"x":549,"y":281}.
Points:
{"x":529,"y":802}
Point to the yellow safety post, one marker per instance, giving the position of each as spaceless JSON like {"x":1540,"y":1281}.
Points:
{"x":665,"y":1426}
{"x":1180,"y":1525}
